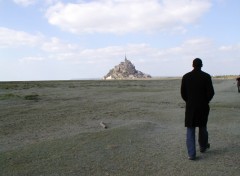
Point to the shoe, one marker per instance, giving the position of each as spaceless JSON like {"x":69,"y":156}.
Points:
{"x":202,"y":150}
{"x":192,"y":157}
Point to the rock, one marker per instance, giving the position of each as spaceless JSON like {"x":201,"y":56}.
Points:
{"x":125,"y":70}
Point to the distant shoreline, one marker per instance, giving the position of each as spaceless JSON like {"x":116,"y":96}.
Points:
{"x":101,"y":79}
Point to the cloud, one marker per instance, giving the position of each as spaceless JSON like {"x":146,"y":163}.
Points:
{"x":10,"y":38}
{"x":138,"y":52}
{"x":49,"y":2}
{"x":57,"y":49}
{"x":122,"y":16}
{"x":187,"y":50}
{"x":230,"y":48}
{"x":174,"y":60}
{"x":56,"y":45}
{"x":25,"y":2}
{"x":13,"y":38}
{"x":32,"y":59}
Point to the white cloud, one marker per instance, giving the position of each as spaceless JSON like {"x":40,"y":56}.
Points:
{"x":10,"y":38}
{"x":153,"y":60}
{"x":32,"y":59}
{"x":49,"y":2}
{"x":25,"y":2}
{"x":138,"y":53}
{"x":61,"y":50}
{"x":189,"y":49}
{"x":56,"y":45}
{"x":122,"y":16}
{"x":230,"y":48}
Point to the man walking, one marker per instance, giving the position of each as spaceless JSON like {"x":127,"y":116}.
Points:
{"x":238,"y":84}
{"x":197,"y":91}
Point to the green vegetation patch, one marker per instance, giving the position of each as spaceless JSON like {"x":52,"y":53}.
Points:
{"x":9,"y":96}
{"x":34,"y":97}
{"x":12,"y":96}
{"x":22,"y":85}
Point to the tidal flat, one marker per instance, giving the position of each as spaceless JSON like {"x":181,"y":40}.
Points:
{"x":53,"y":128}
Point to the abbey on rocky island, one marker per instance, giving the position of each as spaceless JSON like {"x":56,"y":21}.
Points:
{"x":125,"y":70}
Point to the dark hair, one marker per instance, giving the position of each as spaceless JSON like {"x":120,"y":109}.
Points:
{"x":197,"y":63}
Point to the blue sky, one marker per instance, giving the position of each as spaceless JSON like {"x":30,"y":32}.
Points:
{"x":79,"y":39}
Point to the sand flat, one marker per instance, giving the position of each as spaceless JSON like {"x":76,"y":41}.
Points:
{"x":53,"y":128}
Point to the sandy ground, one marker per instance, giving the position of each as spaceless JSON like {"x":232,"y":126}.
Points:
{"x":52,"y":128}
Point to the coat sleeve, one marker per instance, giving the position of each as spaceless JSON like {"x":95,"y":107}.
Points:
{"x":183,"y":90}
{"x":210,"y":89}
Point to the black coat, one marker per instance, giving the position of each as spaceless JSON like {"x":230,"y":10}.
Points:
{"x":197,"y":91}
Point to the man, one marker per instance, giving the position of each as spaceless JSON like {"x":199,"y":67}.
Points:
{"x":197,"y":91}
{"x":238,"y":84}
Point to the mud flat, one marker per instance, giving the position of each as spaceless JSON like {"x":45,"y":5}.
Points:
{"x":53,"y":128}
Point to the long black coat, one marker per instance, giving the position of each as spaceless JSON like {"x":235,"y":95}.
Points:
{"x":197,"y":91}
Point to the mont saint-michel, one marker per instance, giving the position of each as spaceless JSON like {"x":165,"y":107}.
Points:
{"x":125,"y":70}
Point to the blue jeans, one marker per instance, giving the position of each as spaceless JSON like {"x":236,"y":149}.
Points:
{"x":202,"y":140}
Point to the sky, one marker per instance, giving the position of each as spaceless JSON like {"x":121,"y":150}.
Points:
{"x":84,"y":39}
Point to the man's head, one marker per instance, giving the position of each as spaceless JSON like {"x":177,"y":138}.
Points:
{"x":197,"y":63}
